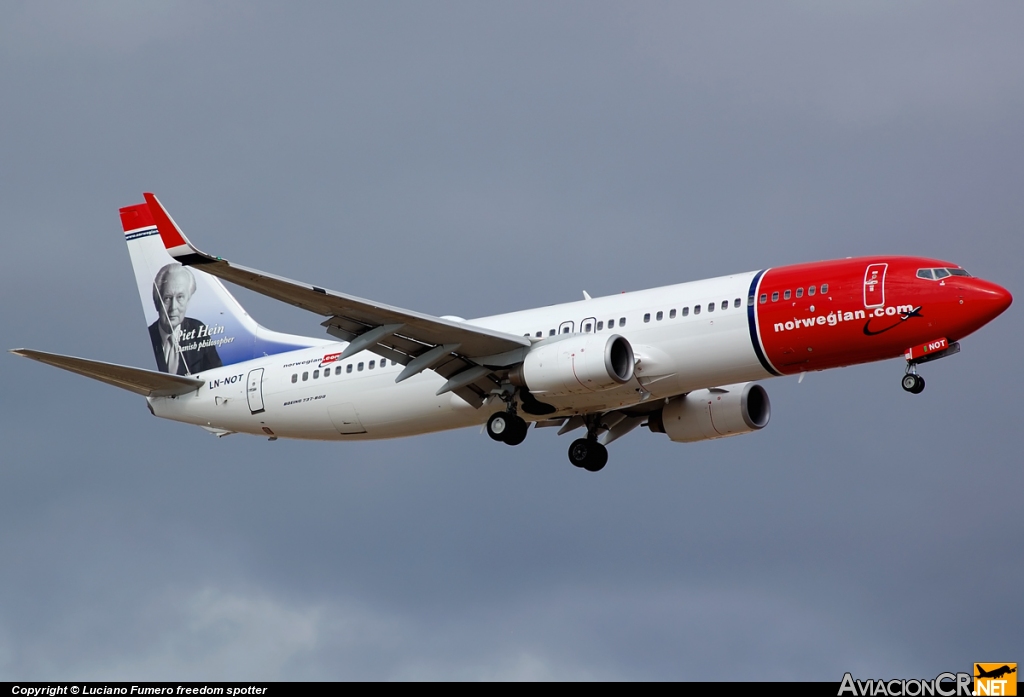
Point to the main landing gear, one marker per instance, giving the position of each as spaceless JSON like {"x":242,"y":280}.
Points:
{"x":588,"y":454}
{"x":510,"y":428}
{"x":507,"y":427}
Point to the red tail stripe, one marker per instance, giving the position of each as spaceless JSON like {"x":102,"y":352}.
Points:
{"x":168,"y":231}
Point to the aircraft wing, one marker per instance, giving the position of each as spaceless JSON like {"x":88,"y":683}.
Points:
{"x":148,"y":383}
{"x":455,"y":350}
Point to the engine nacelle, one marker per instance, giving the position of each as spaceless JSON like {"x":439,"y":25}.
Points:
{"x":716,"y":413}
{"x":578,"y":364}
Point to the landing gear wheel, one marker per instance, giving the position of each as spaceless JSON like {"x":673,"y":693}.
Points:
{"x":516,"y":431}
{"x":507,"y":428}
{"x":498,"y":425}
{"x":913,"y":383}
{"x":588,"y":454}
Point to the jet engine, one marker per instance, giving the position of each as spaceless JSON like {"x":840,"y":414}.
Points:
{"x":716,"y":413}
{"x":578,"y":364}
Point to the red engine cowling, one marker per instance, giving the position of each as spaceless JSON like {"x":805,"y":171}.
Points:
{"x":716,"y":413}
{"x":578,"y":364}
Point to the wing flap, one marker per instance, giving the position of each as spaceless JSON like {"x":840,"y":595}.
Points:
{"x":148,"y":383}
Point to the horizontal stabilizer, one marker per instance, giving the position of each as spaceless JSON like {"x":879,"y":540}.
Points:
{"x":148,"y":383}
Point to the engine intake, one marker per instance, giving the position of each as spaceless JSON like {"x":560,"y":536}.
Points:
{"x":577,"y":364}
{"x":716,"y":413}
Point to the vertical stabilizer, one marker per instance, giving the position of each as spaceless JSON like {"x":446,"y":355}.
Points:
{"x":195,"y":324}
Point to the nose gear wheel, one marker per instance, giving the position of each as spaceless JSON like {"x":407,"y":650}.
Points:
{"x":913,"y":383}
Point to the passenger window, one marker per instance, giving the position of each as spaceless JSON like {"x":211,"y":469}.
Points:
{"x":295,"y":377}
{"x":360,"y":366}
{"x":725,"y":304}
{"x":824,"y":287}
{"x":696,"y":309}
{"x":586,"y":327}
{"x":540,"y":334}
{"x":622,"y":321}
{"x":785,"y":296}
{"x":764,"y":298}
{"x":600,"y":325}
{"x":337,"y":371}
{"x":672,"y":313}
{"x":711,"y":307}
{"x":371,"y":364}
{"x":799,"y":292}
{"x":565,"y":330}
{"x":316,"y":374}
{"x":551,"y":332}
{"x":305,"y":376}
{"x":383,"y":362}
{"x":686,"y":311}
{"x":647,"y":317}
{"x":737,"y":302}
{"x":611,"y":324}
{"x":939,"y":273}
{"x":348,"y":368}
{"x":810,"y":291}
{"x":775,"y":297}
{"x":659,"y":316}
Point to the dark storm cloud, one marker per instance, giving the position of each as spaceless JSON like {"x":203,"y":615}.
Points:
{"x":472,"y":159}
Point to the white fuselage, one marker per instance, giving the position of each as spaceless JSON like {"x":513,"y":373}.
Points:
{"x":298,"y":395}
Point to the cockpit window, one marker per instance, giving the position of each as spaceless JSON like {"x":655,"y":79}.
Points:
{"x":936,"y":274}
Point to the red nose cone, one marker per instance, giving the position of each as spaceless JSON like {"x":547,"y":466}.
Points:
{"x":993,"y":298}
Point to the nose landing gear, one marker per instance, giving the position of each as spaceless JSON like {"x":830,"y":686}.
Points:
{"x":913,"y":383}
{"x":925,"y":353}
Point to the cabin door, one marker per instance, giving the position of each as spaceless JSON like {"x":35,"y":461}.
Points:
{"x":254,"y":391}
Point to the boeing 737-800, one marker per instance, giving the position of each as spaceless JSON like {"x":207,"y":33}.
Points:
{"x":680,"y":359}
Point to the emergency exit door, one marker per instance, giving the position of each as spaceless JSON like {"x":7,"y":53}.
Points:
{"x":254,"y":391}
{"x":874,"y":285}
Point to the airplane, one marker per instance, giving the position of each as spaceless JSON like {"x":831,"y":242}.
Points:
{"x":681,"y":360}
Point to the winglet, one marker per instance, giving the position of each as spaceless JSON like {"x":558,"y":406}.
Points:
{"x":173,"y":238}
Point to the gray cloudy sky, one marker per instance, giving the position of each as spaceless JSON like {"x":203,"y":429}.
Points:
{"x":472,"y":158}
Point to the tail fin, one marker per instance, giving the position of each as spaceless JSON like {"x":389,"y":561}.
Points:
{"x":195,"y":324}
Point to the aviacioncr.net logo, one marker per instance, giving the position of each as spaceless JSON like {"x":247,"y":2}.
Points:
{"x":944,"y":685}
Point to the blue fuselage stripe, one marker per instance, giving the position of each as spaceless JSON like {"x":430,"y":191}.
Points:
{"x":755,"y":340}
